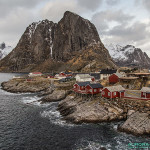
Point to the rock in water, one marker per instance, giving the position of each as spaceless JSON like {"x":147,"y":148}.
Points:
{"x":138,"y":124}
{"x":73,"y":43}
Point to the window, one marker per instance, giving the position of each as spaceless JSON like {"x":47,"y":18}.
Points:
{"x":90,"y":90}
{"x":100,"y":90}
{"x":95,"y":90}
{"x":103,"y":93}
{"x":108,"y":93}
{"x":114,"y":93}
{"x":74,"y":86}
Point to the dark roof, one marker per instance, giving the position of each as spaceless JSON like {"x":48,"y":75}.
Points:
{"x":95,"y":75}
{"x":107,"y":71}
{"x":95,"y":85}
{"x":83,"y":83}
{"x":63,"y":79}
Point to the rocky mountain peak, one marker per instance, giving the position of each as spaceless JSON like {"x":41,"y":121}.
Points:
{"x":48,"y":43}
{"x":129,"y":55}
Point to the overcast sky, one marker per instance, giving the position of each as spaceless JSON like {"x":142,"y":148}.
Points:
{"x":117,"y":21}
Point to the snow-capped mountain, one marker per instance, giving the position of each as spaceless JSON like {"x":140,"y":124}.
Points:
{"x":4,"y":50}
{"x":128,"y":56}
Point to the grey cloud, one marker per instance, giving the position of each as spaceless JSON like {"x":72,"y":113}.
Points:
{"x":112,"y":2}
{"x":7,"y":6}
{"x":136,"y":32}
{"x":104,"y":18}
{"x":91,"y":5}
{"x":146,"y":3}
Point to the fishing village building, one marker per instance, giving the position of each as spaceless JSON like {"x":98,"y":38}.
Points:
{"x":114,"y":78}
{"x":87,"y":88}
{"x":83,"y":77}
{"x":113,"y":92}
{"x":105,"y":73}
{"x":34,"y":74}
{"x":145,"y":92}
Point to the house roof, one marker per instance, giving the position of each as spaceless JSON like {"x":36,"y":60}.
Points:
{"x":118,"y":74}
{"x":83,"y":83}
{"x":145,"y":89}
{"x":115,"y":88}
{"x":129,"y":78}
{"x":95,"y":75}
{"x":84,"y":76}
{"x":36,"y":73}
{"x":95,"y":85}
{"x":107,"y":71}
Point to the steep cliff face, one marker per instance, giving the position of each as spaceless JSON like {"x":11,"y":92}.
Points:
{"x":45,"y":43}
{"x":33,"y":47}
{"x":129,"y":56}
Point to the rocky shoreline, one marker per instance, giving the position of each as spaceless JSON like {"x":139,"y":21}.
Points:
{"x":79,"y":109}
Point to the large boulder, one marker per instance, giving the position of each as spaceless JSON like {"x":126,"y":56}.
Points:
{"x":137,"y":123}
{"x":57,"y":95}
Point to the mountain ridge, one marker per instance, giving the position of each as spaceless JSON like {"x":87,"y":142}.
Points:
{"x":58,"y":44}
{"x":129,"y":56}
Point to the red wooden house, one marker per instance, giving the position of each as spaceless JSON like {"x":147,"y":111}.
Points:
{"x":113,"y":91}
{"x":79,"y":87}
{"x":145,"y":92}
{"x":114,"y":78}
{"x":93,"y":88}
{"x":65,"y":74}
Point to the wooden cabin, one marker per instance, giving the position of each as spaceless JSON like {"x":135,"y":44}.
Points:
{"x":83,"y":77}
{"x":93,"y":88}
{"x":114,"y":78}
{"x":79,"y":87}
{"x":34,"y":74}
{"x":105,"y":73}
{"x":145,"y":92}
{"x":113,"y":92}
{"x":65,"y":74}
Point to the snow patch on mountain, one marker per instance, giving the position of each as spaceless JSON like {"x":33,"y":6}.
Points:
{"x":4,"y":50}
{"x":120,"y":53}
{"x":128,"y":55}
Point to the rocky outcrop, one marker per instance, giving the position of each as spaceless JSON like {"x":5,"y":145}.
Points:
{"x":57,"y":95}
{"x":128,"y":56}
{"x":137,"y":123}
{"x":49,"y":46}
{"x":77,"y":110}
{"x":23,"y":86}
{"x":46,"y":91}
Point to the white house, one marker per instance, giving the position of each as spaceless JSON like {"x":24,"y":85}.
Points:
{"x":83,"y":77}
{"x":105,"y":73}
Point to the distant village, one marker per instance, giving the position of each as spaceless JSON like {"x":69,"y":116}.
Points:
{"x":107,"y":83}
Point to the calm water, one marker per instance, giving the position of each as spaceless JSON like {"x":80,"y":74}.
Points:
{"x":39,"y":127}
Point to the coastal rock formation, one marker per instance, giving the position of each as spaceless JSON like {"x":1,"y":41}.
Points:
{"x":138,"y":124}
{"x":77,"y":110}
{"x":47,"y":91}
{"x":128,"y":56}
{"x":57,"y":95}
{"x":46,"y":46}
{"x":23,"y":86}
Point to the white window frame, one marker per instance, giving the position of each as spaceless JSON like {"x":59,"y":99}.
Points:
{"x":95,"y":90}
{"x":108,"y":93}
{"x":115,"y":93}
